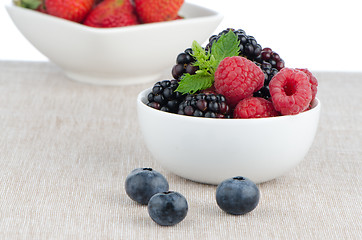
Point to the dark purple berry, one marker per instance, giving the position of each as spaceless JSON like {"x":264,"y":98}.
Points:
{"x":178,"y":70}
{"x":183,"y":58}
{"x":191,"y":69}
{"x":154,"y":105}
{"x":165,"y":109}
{"x":189,"y":110}
{"x":164,"y":96}
{"x":150,"y":97}
{"x":204,"y":105}
{"x":213,"y":106}
{"x":280,"y":65}
{"x":210,"y":115}
{"x":157,"y":89}
{"x":165,"y":83}
{"x":172,"y":105}
{"x":224,"y":108}
{"x":168,"y":93}
{"x":198,"y":113}
{"x":201,"y":104}
{"x":160,"y":99}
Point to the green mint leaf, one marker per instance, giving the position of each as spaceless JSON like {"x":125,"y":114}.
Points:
{"x":226,"y":46}
{"x":193,"y":83}
{"x":201,"y":56}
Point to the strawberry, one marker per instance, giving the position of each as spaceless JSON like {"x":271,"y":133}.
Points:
{"x":41,"y":7}
{"x":73,"y":10}
{"x":112,"y":13}
{"x":157,"y":10}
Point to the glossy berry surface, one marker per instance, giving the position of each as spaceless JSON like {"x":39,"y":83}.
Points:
{"x":164,"y":96}
{"x":269,"y":56}
{"x":249,"y":47}
{"x":142,"y":183}
{"x":237,"y":195}
{"x":270,"y":63}
{"x":184,"y":65}
{"x":167,"y":208}
{"x":207,"y":105}
{"x":269,"y":73}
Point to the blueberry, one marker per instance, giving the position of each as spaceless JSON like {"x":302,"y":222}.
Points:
{"x":142,"y":183}
{"x":167,"y":208}
{"x":237,"y":195}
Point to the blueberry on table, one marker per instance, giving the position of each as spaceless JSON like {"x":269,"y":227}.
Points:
{"x":237,"y":195}
{"x":142,"y":183}
{"x":167,"y":208}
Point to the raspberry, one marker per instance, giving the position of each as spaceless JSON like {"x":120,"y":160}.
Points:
{"x":290,"y":91}
{"x":237,"y":78}
{"x":313,"y":81}
{"x":255,"y":107}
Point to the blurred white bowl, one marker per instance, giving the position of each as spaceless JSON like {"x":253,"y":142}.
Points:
{"x":211,"y":150}
{"x":114,"y":56}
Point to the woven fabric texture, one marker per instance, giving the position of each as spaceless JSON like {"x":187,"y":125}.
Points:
{"x":67,"y":147}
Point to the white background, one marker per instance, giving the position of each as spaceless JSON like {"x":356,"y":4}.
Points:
{"x":316,"y":34}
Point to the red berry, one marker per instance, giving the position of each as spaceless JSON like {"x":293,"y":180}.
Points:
{"x":112,"y":13}
{"x":69,"y":9}
{"x":290,"y":91}
{"x":150,"y":11}
{"x":237,"y":78}
{"x":313,"y":81}
{"x":255,"y":107}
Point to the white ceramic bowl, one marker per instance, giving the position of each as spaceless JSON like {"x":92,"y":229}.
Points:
{"x":211,"y":150}
{"x":114,"y":56}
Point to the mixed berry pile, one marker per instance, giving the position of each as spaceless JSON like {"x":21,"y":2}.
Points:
{"x":233,"y":77}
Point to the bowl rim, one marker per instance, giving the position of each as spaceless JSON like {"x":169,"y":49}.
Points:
{"x":316,"y":106}
{"x":212,"y":15}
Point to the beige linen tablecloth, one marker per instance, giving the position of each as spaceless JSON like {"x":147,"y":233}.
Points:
{"x":67,"y":147}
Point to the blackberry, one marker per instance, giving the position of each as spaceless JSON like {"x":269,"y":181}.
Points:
{"x":205,"y":105}
{"x":183,"y":65}
{"x":268,"y":55}
{"x":249,"y":47}
{"x":269,"y":73}
{"x":164,"y":97}
{"x":270,"y":63}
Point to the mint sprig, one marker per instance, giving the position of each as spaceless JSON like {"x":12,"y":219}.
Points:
{"x":226,"y":46}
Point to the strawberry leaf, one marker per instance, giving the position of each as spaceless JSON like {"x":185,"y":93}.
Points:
{"x":31,"y":4}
